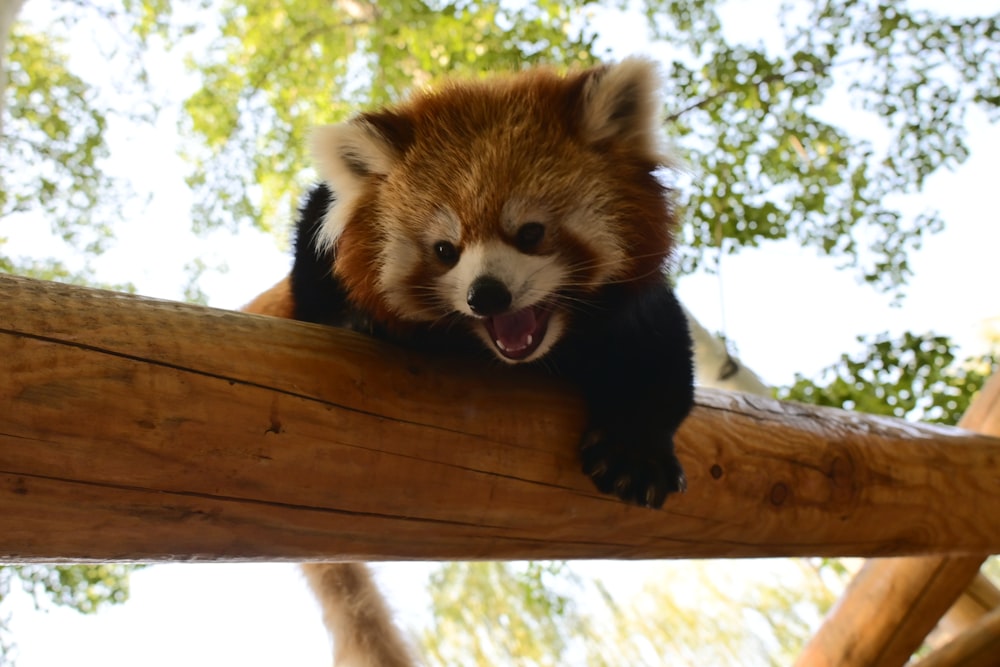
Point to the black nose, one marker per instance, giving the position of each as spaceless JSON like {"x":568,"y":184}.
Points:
{"x":488,"y":296}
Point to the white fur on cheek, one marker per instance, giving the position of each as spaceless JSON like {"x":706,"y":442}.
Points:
{"x":399,"y":260}
{"x":598,"y":235}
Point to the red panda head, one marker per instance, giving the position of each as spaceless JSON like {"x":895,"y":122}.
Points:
{"x":505,"y":203}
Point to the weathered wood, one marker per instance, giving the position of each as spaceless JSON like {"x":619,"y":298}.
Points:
{"x":979,"y":646}
{"x":979,"y":599}
{"x":891,"y":605}
{"x":140,"y":429}
{"x":887,"y":610}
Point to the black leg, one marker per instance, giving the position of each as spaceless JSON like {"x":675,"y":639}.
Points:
{"x":637,"y":376}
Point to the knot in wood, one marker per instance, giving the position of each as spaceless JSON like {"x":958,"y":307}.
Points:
{"x":779,"y":493}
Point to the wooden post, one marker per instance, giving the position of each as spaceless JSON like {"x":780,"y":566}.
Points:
{"x":139,"y":429}
{"x":979,"y":599}
{"x":891,"y":605}
{"x":979,"y":646}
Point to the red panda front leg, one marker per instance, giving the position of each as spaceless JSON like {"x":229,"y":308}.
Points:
{"x":637,"y":377}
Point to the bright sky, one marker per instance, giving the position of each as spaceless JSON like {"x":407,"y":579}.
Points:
{"x":787,"y":310}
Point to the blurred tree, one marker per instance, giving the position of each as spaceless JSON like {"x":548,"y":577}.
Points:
{"x":502,"y":613}
{"x":54,"y":127}
{"x":758,"y":127}
{"x":758,"y":124}
{"x":911,"y":377}
{"x":750,"y":121}
{"x":248,"y":122}
{"x":698,"y":613}
{"x":85,"y":588}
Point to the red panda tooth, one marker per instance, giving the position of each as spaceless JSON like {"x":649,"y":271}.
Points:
{"x":512,"y":348}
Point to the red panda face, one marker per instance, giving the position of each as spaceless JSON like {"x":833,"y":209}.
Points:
{"x":504,"y":206}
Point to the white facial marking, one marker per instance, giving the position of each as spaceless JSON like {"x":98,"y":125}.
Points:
{"x":597,"y":233}
{"x":445,"y":226}
{"x":400,"y":259}
{"x":530,"y":279}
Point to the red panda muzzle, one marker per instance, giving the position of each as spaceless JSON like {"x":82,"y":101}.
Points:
{"x":517,"y":335}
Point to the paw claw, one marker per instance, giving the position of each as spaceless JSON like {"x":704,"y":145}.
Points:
{"x":599,"y":469}
{"x":622,"y":485}
{"x":639,"y":470}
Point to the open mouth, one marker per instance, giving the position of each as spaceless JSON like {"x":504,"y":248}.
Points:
{"x":517,"y":335}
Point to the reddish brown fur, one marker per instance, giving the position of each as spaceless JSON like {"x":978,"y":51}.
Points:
{"x":473,"y":148}
{"x":473,"y":145}
{"x":277,"y":301}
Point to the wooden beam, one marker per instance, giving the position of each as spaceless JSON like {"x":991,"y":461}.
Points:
{"x":139,"y":429}
{"x":979,"y":646}
{"x":979,"y":599}
{"x":891,"y":605}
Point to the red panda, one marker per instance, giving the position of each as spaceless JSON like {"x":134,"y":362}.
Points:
{"x":518,"y":218}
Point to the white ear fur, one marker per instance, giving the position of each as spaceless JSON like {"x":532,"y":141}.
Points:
{"x":621,"y":105}
{"x":346,"y":155}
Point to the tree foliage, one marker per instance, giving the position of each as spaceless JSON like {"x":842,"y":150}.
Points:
{"x":502,"y":613}
{"x":757,"y":125}
{"x":911,"y":377}
{"x":703,"y":612}
{"x":54,"y":145}
{"x":51,"y":154}
{"x":85,"y":588}
{"x":260,"y":95}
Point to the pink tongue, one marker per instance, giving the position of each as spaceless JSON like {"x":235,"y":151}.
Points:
{"x":514,"y":330}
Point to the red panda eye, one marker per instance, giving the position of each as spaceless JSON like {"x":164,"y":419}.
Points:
{"x":446,"y":252}
{"x":529,"y":236}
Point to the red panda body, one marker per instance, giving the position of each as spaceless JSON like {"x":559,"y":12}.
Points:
{"x":519,"y":218}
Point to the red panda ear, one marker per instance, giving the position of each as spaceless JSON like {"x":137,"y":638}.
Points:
{"x":346,"y":155}
{"x":363,"y":146}
{"x":620,"y":105}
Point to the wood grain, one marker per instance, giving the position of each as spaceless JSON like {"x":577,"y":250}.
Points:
{"x":892,"y":605}
{"x":979,"y":599}
{"x":979,"y":646}
{"x":138,"y":429}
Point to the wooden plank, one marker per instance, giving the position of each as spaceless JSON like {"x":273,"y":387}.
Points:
{"x":180,"y":432}
{"x":979,"y":599}
{"x":891,"y":605}
{"x":979,"y":646}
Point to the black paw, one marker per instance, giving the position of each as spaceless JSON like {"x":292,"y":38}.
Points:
{"x":642,"y":470}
